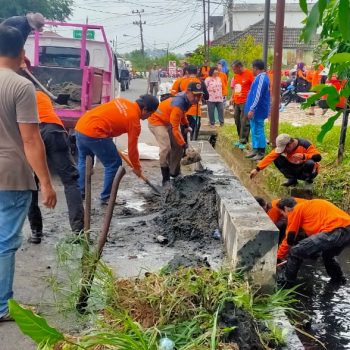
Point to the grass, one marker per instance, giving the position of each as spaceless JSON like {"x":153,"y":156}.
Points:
{"x":333,"y":181}
{"x":184,"y":305}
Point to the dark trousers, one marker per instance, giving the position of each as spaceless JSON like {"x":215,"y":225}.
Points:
{"x":329,"y":245}
{"x":304,"y":171}
{"x":60,"y":162}
{"x":242,"y":123}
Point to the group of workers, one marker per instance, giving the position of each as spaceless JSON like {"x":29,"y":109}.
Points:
{"x":307,"y":228}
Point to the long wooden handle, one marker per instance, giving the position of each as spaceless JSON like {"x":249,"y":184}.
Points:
{"x":143,"y":177}
{"x":42,"y":87}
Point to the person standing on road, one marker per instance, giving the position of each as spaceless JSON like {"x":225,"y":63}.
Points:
{"x":216,"y":98}
{"x":194,"y":113}
{"x":165,"y":126}
{"x":60,"y":160}
{"x":257,"y":109}
{"x":95,"y":131}
{"x":242,"y":81}
{"x":296,"y":158}
{"x":21,"y":152}
{"x":154,"y":80}
{"x":328,"y":232}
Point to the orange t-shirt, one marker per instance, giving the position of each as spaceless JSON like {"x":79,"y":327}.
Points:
{"x":46,"y":111}
{"x":113,"y":119}
{"x":310,"y":75}
{"x":172,"y":115}
{"x":313,"y":216}
{"x":316,"y":78}
{"x":175,"y":89}
{"x":224,"y":83}
{"x":242,"y":84}
{"x":275,"y":214}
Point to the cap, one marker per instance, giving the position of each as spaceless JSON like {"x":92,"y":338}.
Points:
{"x":195,"y":88}
{"x":149,"y":102}
{"x":281,"y":142}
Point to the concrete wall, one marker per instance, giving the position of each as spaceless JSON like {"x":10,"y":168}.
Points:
{"x":249,"y":235}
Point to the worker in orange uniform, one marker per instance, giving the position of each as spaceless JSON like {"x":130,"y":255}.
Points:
{"x":165,"y":126}
{"x":204,"y":70}
{"x":296,"y":158}
{"x":194,"y":112}
{"x":328,"y":232}
{"x":275,"y":214}
{"x":60,"y":160}
{"x":224,"y":80}
{"x":243,"y":79}
{"x":314,"y":77}
{"x":95,"y":131}
{"x":175,"y":89}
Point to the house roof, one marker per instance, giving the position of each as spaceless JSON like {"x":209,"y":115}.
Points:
{"x":291,"y":37}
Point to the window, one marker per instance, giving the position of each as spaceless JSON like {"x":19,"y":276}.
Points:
{"x":55,"y":56}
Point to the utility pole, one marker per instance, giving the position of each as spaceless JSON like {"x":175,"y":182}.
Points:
{"x":277,"y":65}
{"x":140,"y":23}
{"x":205,"y":32}
{"x":230,"y":17}
{"x":266,"y":30}
{"x":208,"y":48}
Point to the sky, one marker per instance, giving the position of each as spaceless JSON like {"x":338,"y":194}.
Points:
{"x":176,"y":24}
{"x":168,"y":22}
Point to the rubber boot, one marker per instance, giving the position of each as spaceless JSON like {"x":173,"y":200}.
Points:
{"x":35,"y":237}
{"x":165,"y":174}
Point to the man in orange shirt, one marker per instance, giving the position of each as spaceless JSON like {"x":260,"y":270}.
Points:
{"x":275,"y":214}
{"x":243,"y":79}
{"x":296,"y":158}
{"x":95,"y":131}
{"x":60,"y":160}
{"x":165,"y":126}
{"x":328,"y":232}
{"x":193,"y":114}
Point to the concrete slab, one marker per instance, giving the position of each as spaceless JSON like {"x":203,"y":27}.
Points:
{"x":250,"y":237}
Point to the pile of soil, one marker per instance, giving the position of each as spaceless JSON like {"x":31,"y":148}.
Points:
{"x":190,"y":210}
{"x":244,"y":333}
{"x":70,"y":88}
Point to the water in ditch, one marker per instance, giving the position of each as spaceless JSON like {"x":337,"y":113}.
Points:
{"x":327,"y":305}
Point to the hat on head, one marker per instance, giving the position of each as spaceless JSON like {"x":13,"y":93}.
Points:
{"x":195,"y":88}
{"x":281,"y":142}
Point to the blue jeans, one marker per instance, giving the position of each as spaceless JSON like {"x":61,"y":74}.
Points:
{"x":258,"y":133}
{"x":106,"y":151}
{"x":14,"y":206}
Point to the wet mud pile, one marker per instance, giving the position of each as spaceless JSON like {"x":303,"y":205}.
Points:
{"x":243,"y":326}
{"x":70,"y":88}
{"x":190,"y":210}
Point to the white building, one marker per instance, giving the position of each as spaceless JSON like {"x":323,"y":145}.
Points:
{"x":246,"y":14}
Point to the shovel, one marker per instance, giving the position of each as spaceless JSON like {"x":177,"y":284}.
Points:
{"x":191,"y":156}
{"x":143,"y":177}
{"x":61,"y":99}
{"x":89,"y":277}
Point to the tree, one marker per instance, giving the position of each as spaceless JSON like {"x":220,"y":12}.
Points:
{"x":333,"y":16}
{"x":246,"y":50}
{"x":51,"y":9}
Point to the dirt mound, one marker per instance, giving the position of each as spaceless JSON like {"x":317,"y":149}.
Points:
{"x":244,"y":333}
{"x":190,"y":210}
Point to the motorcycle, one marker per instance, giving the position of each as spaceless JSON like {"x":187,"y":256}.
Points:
{"x":290,"y":95}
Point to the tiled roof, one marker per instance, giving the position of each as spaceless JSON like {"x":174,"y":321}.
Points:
{"x":290,"y":37}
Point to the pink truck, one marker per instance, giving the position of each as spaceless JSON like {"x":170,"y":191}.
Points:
{"x":84,"y":63}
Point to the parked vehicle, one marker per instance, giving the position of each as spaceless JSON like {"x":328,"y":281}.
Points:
{"x":290,"y":95}
{"x":86,"y":69}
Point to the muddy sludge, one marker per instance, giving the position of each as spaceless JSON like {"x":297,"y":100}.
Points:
{"x":190,"y":210}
